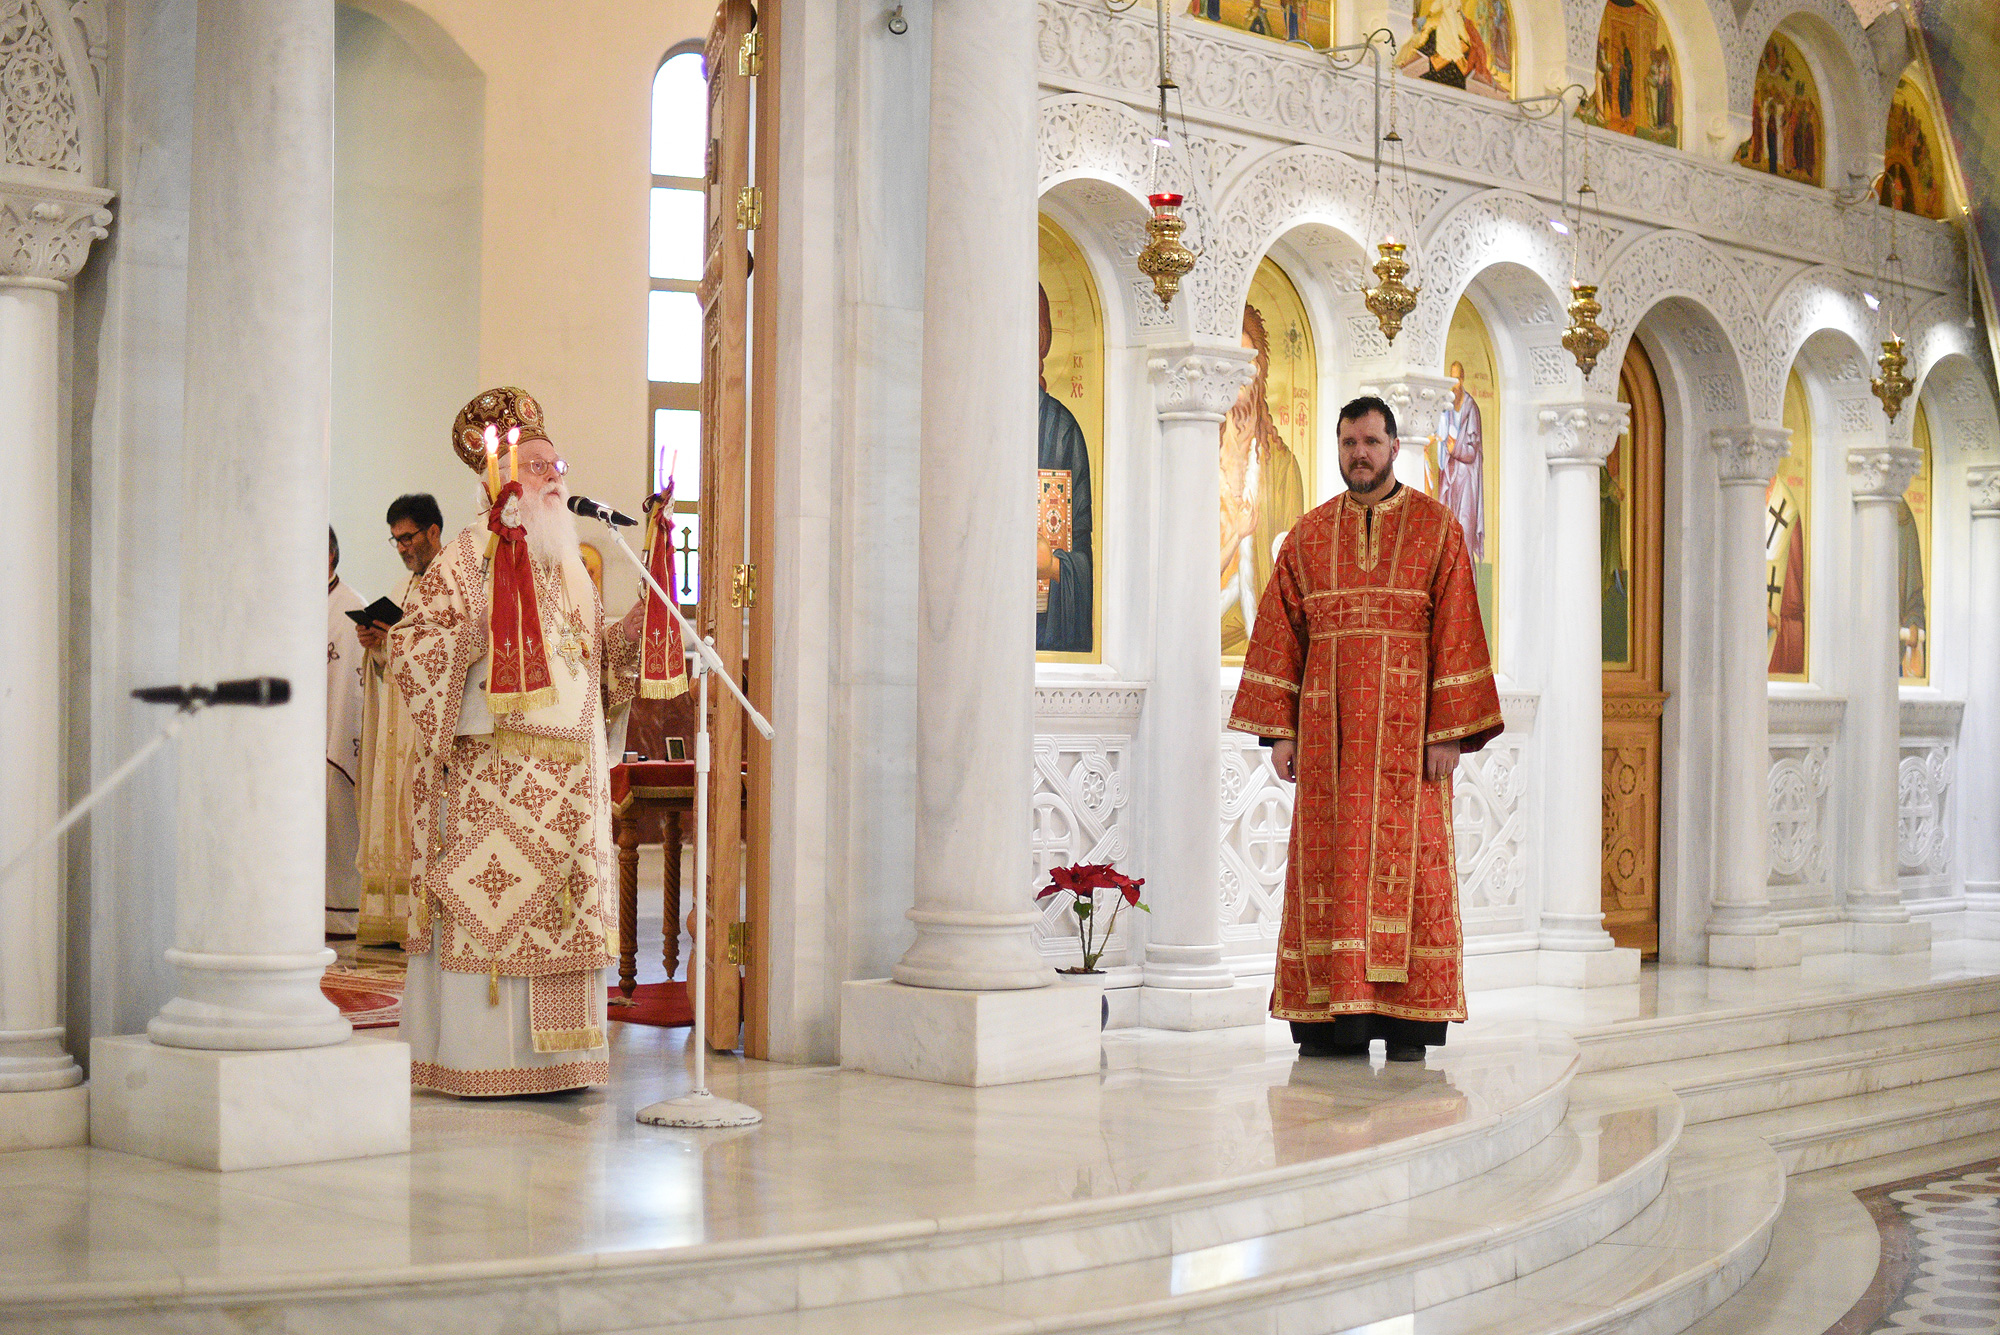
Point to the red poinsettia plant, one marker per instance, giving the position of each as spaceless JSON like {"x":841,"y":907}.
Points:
{"x":1083,"y":881}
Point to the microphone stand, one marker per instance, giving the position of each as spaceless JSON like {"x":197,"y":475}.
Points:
{"x":698,"y":1108}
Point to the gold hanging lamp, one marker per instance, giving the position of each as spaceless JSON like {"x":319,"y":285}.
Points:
{"x":1584,"y":338}
{"x":1165,"y":260}
{"x":1890,"y":384}
{"x":1392,"y":299}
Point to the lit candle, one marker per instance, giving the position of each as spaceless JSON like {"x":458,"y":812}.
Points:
{"x":513,"y":453}
{"x":492,"y":461}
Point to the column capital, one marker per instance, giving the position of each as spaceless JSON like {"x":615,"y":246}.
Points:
{"x":1193,"y":382}
{"x":1748,"y":454}
{"x":1417,"y":397}
{"x":46,"y":231}
{"x":1582,"y":434}
{"x":1881,"y":472}
{"x":1983,"y":481}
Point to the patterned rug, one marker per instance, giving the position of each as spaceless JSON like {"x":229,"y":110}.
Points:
{"x":1940,"y":1267}
{"x":663,"y":1004}
{"x":370,"y":998}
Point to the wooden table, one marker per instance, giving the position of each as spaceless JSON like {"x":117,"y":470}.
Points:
{"x":649,"y":795}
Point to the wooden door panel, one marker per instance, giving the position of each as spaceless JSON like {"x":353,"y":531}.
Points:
{"x":1631,"y":887}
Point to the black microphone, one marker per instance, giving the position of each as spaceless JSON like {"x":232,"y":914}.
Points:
{"x":258,"y":691}
{"x":589,"y":509}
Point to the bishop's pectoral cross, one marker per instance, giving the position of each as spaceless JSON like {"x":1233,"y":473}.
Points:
{"x":573,"y":648}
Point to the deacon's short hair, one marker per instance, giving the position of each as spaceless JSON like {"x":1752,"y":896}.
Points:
{"x":1357,"y":409}
{"x":419,"y":507}
{"x":333,"y":546}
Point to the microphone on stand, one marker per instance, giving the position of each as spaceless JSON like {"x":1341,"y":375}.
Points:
{"x":261,"y":692}
{"x":589,"y":509}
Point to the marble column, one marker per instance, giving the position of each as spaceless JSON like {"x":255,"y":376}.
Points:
{"x":248,"y":1064}
{"x":1742,"y":933}
{"x":1576,"y":951}
{"x":42,"y":1099}
{"x":1186,"y":985}
{"x":1878,"y":922}
{"x":1979,"y":737}
{"x":971,"y":1000}
{"x":1417,"y":398}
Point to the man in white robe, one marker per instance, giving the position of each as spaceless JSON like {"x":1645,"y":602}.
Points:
{"x":416,"y":527}
{"x":343,"y":747}
{"x":508,"y":667}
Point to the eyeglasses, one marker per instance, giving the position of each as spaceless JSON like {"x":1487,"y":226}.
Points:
{"x":402,"y":540}
{"x":544,"y":467}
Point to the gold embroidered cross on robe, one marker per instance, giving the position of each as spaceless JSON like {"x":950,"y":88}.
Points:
{"x":1367,"y":648}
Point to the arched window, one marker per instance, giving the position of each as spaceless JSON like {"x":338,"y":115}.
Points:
{"x":673,"y":312}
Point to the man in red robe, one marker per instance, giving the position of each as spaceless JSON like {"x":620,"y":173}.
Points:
{"x":1368,"y":677}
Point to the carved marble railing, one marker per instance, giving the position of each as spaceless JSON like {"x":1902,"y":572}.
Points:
{"x":1083,"y":789}
{"x":1805,"y":736}
{"x":1925,"y":820}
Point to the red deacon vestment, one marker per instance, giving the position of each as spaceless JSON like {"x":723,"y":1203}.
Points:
{"x":1367,"y":647}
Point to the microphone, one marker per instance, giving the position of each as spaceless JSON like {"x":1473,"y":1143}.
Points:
{"x":259,"y":691}
{"x":589,"y":509}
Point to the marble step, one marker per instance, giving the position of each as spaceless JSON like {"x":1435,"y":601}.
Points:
{"x":1800,"y":1019}
{"x":1752,"y":1080}
{"x":1864,"y":1126}
{"x":1589,"y":1180}
{"x":1685,"y":1254}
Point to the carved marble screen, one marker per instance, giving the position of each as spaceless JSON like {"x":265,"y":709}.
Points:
{"x":1637,"y":89}
{"x":1912,"y":170}
{"x":1461,"y":43}
{"x":1787,"y":120}
{"x":1070,"y":527}
{"x":1787,"y":555}
{"x":1462,"y":463}
{"x":1288,"y":20}
{"x":1913,"y":561}
{"x":1267,"y":450}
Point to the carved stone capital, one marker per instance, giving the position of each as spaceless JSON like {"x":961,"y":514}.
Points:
{"x":1983,"y":481}
{"x":1198,"y":384}
{"x":1881,"y":472}
{"x":1418,"y":398}
{"x":1582,"y":435}
{"x":46,"y":231}
{"x":1747,"y":455}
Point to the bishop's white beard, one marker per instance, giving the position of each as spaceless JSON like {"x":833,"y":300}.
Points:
{"x":551,"y":529}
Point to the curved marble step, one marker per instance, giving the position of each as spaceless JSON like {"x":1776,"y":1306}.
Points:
{"x":1588,"y":1180}
{"x":1685,"y":1254}
{"x":1735,"y":1084}
{"x":1365,"y":1140}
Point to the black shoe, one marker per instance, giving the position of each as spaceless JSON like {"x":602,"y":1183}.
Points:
{"x":1333,"y":1049}
{"x":1406,"y":1052}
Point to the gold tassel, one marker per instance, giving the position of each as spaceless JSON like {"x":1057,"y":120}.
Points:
{"x":568,"y":1040}
{"x":539,"y":748}
{"x":493,"y":986}
{"x":521,"y":702}
{"x":671,"y":688}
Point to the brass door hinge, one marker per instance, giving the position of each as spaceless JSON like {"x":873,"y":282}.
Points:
{"x":743,"y":587}
{"x":750,"y":55}
{"x":749,"y":209}
{"x":739,"y":943}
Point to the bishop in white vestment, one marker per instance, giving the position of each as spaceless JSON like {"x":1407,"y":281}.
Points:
{"x":508,"y":668}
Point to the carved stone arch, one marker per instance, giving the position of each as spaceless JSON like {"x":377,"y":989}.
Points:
{"x":52,"y":68}
{"x":1821,"y":298}
{"x":1108,"y":222}
{"x":1851,"y":90}
{"x":1272,"y":196}
{"x":1680,"y":264}
{"x":1957,"y":393}
{"x":1935,"y":333}
{"x":1488,"y":228}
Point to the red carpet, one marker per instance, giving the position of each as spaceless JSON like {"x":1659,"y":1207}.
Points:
{"x":663,"y":1004}
{"x":369,"y":1001}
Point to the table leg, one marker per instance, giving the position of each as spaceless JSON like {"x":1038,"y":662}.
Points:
{"x":625,"y":831}
{"x":670,"y":954}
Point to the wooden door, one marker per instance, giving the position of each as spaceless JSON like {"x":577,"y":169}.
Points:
{"x":1629,"y":499}
{"x":724,"y":533}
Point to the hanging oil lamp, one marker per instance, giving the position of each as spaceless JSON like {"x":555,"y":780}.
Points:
{"x":1391,"y":300}
{"x":1165,"y":260}
{"x":1585,"y":339}
{"x":1891,"y":386}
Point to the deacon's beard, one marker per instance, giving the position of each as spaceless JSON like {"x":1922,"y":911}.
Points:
{"x":551,"y":528}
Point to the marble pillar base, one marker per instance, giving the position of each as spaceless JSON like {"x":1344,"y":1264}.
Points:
{"x":956,"y":1037}
{"x":44,"y":1119}
{"x":1888,"y":938}
{"x":1773,"y":950}
{"x":258,"y":1109}
{"x":1192,"y":1008}
{"x":1617,"y":967}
